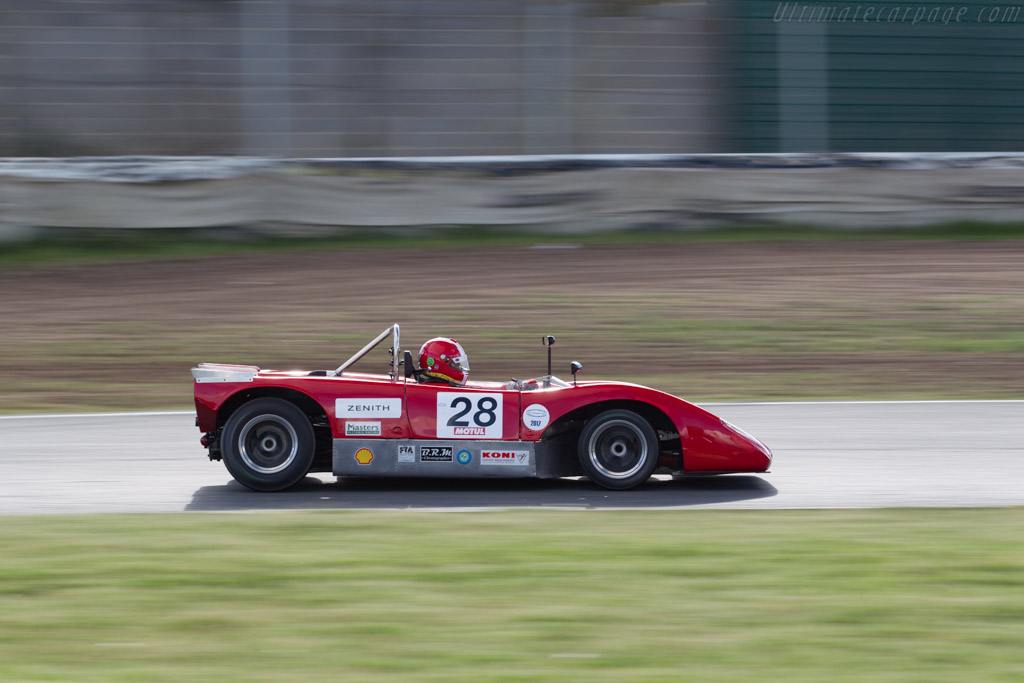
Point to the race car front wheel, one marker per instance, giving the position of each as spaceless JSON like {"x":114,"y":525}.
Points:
{"x":618,"y":449}
{"x":268,"y":444}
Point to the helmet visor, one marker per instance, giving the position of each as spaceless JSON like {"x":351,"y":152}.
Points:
{"x":461,"y":361}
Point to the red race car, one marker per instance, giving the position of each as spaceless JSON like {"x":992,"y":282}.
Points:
{"x":425,"y":419}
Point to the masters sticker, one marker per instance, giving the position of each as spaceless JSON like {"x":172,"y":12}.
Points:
{"x":364,"y":456}
{"x":406,"y":454}
{"x":362,"y":429}
{"x":464,"y":457}
{"x":435,"y":453}
{"x":536,"y":417}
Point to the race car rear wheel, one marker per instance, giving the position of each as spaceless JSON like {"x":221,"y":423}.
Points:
{"x":618,"y":449}
{"x":268,"y":444}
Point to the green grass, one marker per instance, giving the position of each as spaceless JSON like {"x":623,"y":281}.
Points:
{"x":905,"y":595}
{"x":103,"y":245}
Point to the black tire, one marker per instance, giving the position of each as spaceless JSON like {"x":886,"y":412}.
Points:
{"x":618,"y":449}
{"x":268,"y":444}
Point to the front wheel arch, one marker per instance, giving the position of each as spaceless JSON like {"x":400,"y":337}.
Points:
{"x":618,"y":449}
{"x":572,"y":424}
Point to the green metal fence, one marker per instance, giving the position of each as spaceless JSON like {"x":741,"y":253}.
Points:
{"x":876,"y":76}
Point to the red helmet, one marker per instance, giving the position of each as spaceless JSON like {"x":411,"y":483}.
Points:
{"x":445,"y":359}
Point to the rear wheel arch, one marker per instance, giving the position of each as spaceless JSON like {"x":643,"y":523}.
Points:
{"x":304,"y":402}
{"x":268,"y":444}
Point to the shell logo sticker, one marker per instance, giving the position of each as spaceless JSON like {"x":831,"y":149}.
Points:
{"x":364,"y":456}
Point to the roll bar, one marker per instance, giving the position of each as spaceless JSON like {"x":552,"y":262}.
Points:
{"x":395,"y":338}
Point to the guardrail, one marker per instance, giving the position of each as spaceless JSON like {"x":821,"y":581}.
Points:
{"x":540,"y":193}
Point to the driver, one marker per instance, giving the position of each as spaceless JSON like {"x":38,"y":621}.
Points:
{"x":443,"y":360}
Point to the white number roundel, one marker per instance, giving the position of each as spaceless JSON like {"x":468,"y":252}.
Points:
{"x":468,"y":415}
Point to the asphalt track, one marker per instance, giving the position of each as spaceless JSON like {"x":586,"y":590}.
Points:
{"x":827,"y":455}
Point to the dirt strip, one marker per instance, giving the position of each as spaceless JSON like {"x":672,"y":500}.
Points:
{"x":710,"y":320}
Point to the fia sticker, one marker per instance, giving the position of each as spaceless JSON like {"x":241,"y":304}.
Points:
{"x":536,"y":417}
{"x":464,"y":457}
{"x":364,"y":456}
{"x":468,"y":415}
{"x":406,"y":454}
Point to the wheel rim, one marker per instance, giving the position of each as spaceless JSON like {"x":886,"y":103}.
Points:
{"x":617,"y":449}
{"x":268,"y":444}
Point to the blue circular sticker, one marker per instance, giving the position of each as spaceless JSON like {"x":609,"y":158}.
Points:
{"x":464,"y":457}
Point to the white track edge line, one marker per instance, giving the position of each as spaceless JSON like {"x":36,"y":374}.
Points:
{"x":159,"y":413}
{"x":71,"y":416}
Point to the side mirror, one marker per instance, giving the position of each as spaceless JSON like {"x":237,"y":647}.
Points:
{"x":548,"y":341}
{"x":575,"y":367}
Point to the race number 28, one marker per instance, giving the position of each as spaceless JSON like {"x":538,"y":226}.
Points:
{"x":468,"y":416}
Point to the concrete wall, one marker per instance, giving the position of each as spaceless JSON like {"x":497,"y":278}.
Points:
{"x":357,"y":77}
{"x":568,"y":194}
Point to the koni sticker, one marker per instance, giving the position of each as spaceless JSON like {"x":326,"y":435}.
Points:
{"x":362,"y":429}
{"x":469,"y":415}
{"x":406,"y":454}
{"x":507,"y":458}
{"x":536,"y":417}
{"x":357,"y":408}
{"x":435,"y":453}
{"x":364,"y":456}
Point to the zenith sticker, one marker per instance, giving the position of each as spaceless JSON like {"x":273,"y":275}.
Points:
{"x":362,"y":429}
{"x":435,"y":453}
{"x":353,"y":408}
{"x":364,"y":456}
{"x":406,"y":454}
{"x":464,"y":457}
{"x":536,"y":417}
{"x":508,"y":458}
